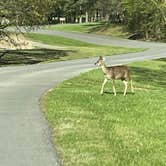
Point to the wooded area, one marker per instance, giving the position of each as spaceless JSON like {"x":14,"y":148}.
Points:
{"x":25,"y":14}
{"x":145,"y":17}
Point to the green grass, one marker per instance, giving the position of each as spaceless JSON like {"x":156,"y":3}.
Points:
{"x":78,"y":49}
{"x":93,"y":130}
{"x":31,"y":56}
{"x":58,"y":41}
{"x":96,"y":28}
{"x":66,"y":49}
{"x":85,"y":27}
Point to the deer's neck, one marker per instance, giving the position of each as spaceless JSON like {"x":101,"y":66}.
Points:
{"x":104,"y":68}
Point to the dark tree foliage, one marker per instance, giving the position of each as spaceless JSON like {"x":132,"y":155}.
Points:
{"x":23,"y":13}
{"x":145,"y":17}
{"x":148,"y":17}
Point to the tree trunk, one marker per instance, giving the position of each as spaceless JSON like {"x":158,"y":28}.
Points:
{"x":107,"y":17}
{"x":80,"y":19}
{"x":95,"y":17}
{"x":146,"y":35}
{"x":86,"y":17}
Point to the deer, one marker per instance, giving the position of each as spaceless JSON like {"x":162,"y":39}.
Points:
{"x":114,"y":73}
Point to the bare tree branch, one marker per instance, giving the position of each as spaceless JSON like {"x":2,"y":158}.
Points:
{"x":21,"y":14}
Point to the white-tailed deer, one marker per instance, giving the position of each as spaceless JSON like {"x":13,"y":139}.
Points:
{"x":113,"y":73}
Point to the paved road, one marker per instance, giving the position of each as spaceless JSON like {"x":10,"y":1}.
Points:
{"x":24,"y":135}
{"x":155,"y":50}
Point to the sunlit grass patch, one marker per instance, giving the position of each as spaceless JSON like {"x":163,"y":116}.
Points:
{"x":78,"y":49}
{"x":93,"y":130}
{"x":102,"y":28}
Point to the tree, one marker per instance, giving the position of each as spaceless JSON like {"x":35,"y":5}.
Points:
{"x":74,"y":9}
{"x":147,"y":17}
{"x":19,"y":13}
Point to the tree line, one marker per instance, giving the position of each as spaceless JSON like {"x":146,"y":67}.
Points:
{"x":21,"y":14}
{"x":145,"y":17}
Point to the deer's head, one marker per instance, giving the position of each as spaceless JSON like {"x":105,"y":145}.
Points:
{"x":100,"y":61}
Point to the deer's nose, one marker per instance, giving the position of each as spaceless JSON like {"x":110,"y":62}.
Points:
{"x":95,"y":63}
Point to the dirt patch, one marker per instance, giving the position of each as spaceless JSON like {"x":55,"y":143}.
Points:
{"x":20,"y":43}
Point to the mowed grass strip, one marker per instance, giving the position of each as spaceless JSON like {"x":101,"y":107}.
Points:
{"x":101,"y":28}
{"x":93,"y":130}
{"x":84,"y":27}
{"x":78,"y":49}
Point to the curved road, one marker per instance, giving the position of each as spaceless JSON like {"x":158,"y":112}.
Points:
{"x":24,"y":135}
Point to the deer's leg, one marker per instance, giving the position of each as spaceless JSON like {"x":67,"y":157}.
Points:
{"x":126,"y":85}
{"x":113,"y":86}
{"x":102,"y":88}
{"x":131,"y":84}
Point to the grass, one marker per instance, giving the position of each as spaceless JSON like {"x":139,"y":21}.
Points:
{"x":31,"y":56}
{"x":85,"y":27}
{"x":58,"y":41}
{"x":78,"y":49}
{"x":66,"y":49}
{"x":96,"y":28}
{"x":93,"y":130}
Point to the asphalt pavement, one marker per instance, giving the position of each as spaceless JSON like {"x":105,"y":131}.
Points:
{"x":24,"y":133}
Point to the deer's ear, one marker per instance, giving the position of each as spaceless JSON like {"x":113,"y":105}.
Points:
{"x":100,"y":57}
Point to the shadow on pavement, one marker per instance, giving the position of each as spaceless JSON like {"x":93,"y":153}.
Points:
{"x":30,"y":56}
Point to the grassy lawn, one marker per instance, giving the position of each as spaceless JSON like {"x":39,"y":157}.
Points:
{"x":93,"y":130}
{"x":66,"y":49}
{"x":78,"y":49}
{"x":31,"y":56}
{"x":96,"y":28}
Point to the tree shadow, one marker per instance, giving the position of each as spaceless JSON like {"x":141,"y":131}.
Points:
{"x":162,"y":59}
{"x":128,"y":93}
{"x":102,"y":26}
{"x":31,"y":56}
{"x":155,"y":77}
